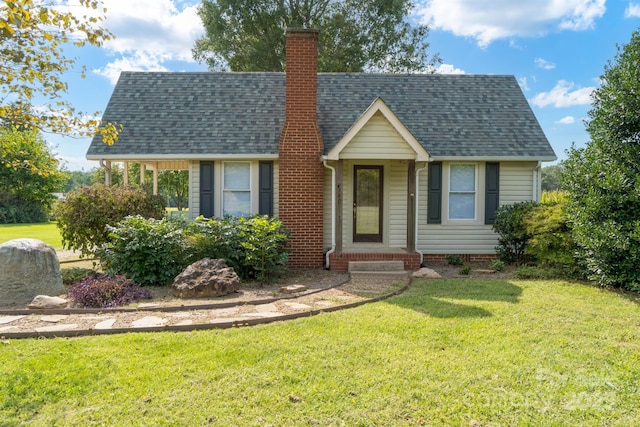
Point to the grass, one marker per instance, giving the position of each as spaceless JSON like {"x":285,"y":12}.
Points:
{"x":452,"y":352}
{"x":47,"y":232}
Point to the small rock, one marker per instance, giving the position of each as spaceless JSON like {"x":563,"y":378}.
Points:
{"x":297,"y":306}
{"x":47,"y":302}
{"x":263,"y":308}
{"x":54,"y":318}
{"x":426,"y":273}
{"x":149,"y":322}
{"x":8,"y":319}
{"x":292,"y":289}
{"x":105,"y":324}
{"x":57,"y":328}
{"x":294,"y":399}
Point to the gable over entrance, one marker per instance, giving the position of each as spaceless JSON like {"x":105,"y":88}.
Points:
{"x":378,"y":134}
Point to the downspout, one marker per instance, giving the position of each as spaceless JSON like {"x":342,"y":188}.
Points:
{"x":536,"y":171}
{"x":333,"y":214}
{"x":417,"y":210}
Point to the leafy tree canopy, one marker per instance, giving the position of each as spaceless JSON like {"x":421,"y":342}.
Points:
{"x":603,"y":178}
{"x":33,"y":35}
{"x":354,"y":35}
{"x":552,"y":177}
{"x":28,"y":169}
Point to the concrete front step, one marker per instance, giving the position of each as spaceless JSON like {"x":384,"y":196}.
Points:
{"x":380,"y":275}
{"x":375,"y":266}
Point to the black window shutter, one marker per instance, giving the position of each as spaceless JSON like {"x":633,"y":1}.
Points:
{"x":206,"y":189}
{"x":434,"y":200}
{"x":265,"y":206}
{"x":492,"y":192}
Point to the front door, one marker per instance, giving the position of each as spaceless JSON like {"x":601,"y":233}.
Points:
{"x":367,"y":203}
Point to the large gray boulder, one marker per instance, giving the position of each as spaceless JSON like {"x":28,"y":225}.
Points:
{"x":28,"y":267}
{"x":205,"y":279}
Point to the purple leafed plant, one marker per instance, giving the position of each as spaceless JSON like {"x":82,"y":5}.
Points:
{"x":102,"y":291}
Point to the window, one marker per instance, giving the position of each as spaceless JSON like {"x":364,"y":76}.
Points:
{"x":462,"y":191}
{"x":236,"y":198}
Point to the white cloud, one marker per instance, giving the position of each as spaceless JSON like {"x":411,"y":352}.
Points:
{"x":138,"y":61}
{"x":524,"y":84}
{"x":544,"y":64}
{"x":562,"y":96}
{"x":566,"y":120}
{"x":490,"y":20}
{"x":448,"y":69}
{"x":149,"y":33}
{"x":632,"y":11}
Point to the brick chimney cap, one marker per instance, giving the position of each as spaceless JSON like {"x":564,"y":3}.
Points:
{"x":301,"y":31}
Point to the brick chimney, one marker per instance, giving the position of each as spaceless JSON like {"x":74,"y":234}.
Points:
{"x":300,"y":168}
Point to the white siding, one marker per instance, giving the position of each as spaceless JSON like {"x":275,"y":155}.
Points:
{"x":194,"y":189}
{"x":516,"y":182}
{"x":457,"y":239}
{"x":378,"y":140}
{"x":347,"y":204}
{"x":326,"y":209}
{"x":516,"y":185}
{"x":397,"y":204}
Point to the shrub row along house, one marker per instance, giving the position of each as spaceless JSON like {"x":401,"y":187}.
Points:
{"x":358,"y":166}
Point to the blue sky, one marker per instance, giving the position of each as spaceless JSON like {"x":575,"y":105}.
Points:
{"x":557,"y":49}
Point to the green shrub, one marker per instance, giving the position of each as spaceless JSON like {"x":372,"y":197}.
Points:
{"x":551,"y":243}
{"x":71,"y":276}
{"x":218,"y":238}
{"x":84,"y":215}
{"x":102,"y":291}
{"x":510,"y":225}
{"x":465,"y":270}
{"x":497,"y":265}
{"x":255,"y":247}
{"x":148,"y":251}
{"x":264,"y":242}
{"x":454,"y":260}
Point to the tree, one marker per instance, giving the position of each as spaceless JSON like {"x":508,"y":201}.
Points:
{"x":552,"y":177}
{"x":77,"y":179}
{"x":173,"y":185}
{"x":33,"y":35}
{"x":603,"y":178}
{"x":354,"y":35}
{"x":29,"y":175}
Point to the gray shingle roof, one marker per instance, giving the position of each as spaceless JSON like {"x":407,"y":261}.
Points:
{"x":190,"y":114}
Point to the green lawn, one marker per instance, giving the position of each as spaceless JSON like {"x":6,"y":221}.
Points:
{"x":48,"y":233}
{"x":462,"y":352}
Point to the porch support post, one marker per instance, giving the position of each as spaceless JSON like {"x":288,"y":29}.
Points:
{"x":142,"y":170}
{"x":339,"y":204}
{"x":155,"y":179}
{"x":125,"y":174}
{"x":411,"y":206}
{"x":107,"y":173}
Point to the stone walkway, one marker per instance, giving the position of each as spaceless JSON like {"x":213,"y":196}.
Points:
{"x":146,"y":317}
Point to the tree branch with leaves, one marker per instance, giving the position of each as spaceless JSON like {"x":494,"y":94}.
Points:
{"x":33,"y":36}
